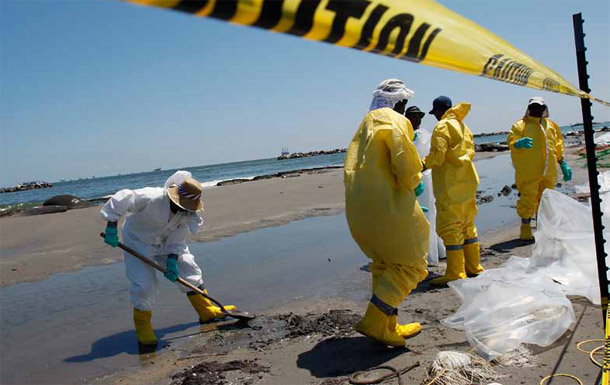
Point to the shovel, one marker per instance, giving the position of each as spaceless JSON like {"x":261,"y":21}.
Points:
{"x":240,"y":315}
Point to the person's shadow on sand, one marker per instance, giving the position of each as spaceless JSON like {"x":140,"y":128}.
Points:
{"x":126,"y":342}
{"x":342,"y":356}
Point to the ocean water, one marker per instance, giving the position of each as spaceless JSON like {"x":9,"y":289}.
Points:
{"x":209,"y":175}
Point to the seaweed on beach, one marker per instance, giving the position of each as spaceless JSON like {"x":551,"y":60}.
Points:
{"x":215,"y":373}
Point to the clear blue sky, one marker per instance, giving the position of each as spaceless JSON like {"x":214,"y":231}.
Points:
{"x":104,"y":87}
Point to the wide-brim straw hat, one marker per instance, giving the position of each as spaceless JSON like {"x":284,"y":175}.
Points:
{"x":188,"y":195}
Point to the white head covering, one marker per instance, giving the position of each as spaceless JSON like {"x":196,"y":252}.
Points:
{"x":537,"y":100}
{"x":177,"y":179}
{"x":388,"y":93}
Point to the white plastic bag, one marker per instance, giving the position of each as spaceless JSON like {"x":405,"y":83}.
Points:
{"x":603,"y":179}
{"x":565,"y":245}
{"x":436,"y":249}
{"x":505,"y":307}
{"x":524,"y":300}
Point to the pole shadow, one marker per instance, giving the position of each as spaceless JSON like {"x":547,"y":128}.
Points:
{"x":507,"y":246}
{"x":335,"y":357}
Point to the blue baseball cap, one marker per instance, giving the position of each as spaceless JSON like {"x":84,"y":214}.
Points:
{"x":441,"y":103}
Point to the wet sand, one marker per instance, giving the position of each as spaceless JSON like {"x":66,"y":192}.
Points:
{"x":303,"y":351}
{"x":77,"y":326}
{"x":36,"y":247}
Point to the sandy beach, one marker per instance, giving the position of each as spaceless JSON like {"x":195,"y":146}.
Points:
{"x":324,"y":358}
{"x":305,"y":352}
{"x":36,"y":247}
{"x":300,"y":337}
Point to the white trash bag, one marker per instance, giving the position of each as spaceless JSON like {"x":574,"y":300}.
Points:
{"x":436,"y":249}
{"x":524,"y":300}
{"x":565,"y":245}
{"x":501,"y":312}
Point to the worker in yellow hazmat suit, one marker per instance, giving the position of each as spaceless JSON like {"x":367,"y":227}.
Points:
{"x":382,"y":179}
{"x":536,"y":147}
{"x":455,"y":182}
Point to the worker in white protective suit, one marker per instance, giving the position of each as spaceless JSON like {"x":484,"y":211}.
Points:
{"x":422,"y":136}
{"x":158,"y":221}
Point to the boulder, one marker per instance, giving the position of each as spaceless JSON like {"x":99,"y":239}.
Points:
{"x":485,"y":199}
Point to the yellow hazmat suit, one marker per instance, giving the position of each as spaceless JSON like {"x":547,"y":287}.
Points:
{"x":535,"y":167}
{"x":455,"y":183}
{"x":382,"y":168}
{"x":559,"y":146}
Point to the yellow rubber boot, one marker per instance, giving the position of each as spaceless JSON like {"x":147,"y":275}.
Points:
{"x":408,"y":330}
{"x":380,"y":327}
{"x":204,"y":307}
{"x":144,"y":330}
{"x":526,"y":232}
{"x":472,"y":256}
{"x":455,"y":268}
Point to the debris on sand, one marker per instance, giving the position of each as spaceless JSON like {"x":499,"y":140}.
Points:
{"x":521,"y":357}
{"x":336,"y":323}
{"x":456,"y":368}
{"x":265,"y":331}
{"x":214,"y":373}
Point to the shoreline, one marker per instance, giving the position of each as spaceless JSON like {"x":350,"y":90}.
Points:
{"x":279,"y":285}
{"x":33,"y":248}
{"x":14,"y":209}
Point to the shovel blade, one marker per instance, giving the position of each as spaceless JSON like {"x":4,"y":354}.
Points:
{"x":240,"y":315}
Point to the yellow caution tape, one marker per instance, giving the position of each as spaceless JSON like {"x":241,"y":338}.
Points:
{"x":421,"y":31}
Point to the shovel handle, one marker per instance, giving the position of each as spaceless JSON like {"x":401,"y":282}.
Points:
{"x":156,"y":266}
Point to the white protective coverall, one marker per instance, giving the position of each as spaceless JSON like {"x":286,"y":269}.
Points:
{"x":436,"y":248}
{"x":154,"y":231}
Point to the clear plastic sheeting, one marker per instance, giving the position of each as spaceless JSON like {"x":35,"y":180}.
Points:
{"x":603,"y":139}
{"x":436,"y":248}
{"x":603,"y":179}
{"x":524,"y":300}
{"x":565,"y":245}
{"x":506,"y":307}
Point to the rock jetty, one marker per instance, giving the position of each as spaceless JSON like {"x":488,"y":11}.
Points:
{"x":26,"y":186}
{"x":296,"y":155}
{"x":491,"y":147}
{"x":485,"y":134}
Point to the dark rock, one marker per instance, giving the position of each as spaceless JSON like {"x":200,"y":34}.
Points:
{"x":231,"y":182}
{"x":513,"y":186}
{"x":491,"y":147}
{"x":69,"y":201}
{"x":26,"y":186}
{"x":491,"y":134}
{"x":485,"y":199}
{"x":506,"y":190}
{"x":296,"y":155}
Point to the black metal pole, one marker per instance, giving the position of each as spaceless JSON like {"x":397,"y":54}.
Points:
{"x":587,"y":120}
